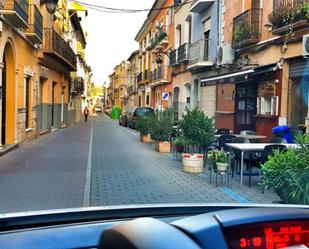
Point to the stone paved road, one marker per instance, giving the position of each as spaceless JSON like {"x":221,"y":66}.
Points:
{"x":125,"y":171}
{"x":51,"y":173}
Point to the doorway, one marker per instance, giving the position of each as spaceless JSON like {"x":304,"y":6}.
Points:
{"x":3,"y":94}
{"x":245,"y":106}
{"x":53,"y":105}
{"x":8,"y":89}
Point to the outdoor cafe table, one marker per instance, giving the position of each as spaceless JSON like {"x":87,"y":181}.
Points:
{"x":253,"y":137}
{"x":251,"y":147}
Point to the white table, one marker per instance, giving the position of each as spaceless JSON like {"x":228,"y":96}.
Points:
{"x":252,"y":147}
{"x":255,"y":137}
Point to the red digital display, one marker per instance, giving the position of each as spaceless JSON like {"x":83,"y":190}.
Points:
{"x":275,"y":235}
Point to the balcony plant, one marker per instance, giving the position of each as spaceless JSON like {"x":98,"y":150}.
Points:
{"x":243,"y":32}
{"x":161,"y":129}
{"x":287,"y":16}
{"x":143,"y":124}
{"x":288,"y":173}
{"x":198,"y":132}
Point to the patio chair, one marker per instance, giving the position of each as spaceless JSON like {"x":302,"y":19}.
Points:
{"x":224,"y":139}
{"x":278,"y":140}
{"x":249,"y":159}
{"x":223,"y":131}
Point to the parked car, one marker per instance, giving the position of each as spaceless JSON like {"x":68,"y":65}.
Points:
{"x":137,"y":112}
{"x":98,"y":109}
{"x":123,"y":119}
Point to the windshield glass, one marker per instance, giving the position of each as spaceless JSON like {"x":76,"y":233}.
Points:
{"x":225,"y":84}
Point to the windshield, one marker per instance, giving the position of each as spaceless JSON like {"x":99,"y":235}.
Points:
{"x":225,"y":84}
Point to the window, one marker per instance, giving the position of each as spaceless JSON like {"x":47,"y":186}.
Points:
{"x":147,"y":100}
{"x":267,"y":105}
{"x":27,"y":102}
{"x":139,"y":100}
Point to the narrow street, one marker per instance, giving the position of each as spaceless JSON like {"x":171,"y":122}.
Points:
{"x":100,"y":163}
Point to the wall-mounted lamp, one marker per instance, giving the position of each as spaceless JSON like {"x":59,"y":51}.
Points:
{"x":51,"y":6}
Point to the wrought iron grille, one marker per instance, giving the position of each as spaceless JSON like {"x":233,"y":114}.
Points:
{"x":298,"y":101}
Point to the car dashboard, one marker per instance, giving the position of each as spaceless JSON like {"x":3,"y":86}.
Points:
{"x":248,"y":227}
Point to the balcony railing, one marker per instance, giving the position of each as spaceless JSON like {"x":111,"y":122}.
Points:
{"x":159,"y":75}
{"x":183,"y":53}
{"x":247,"y":28}
{"x":289,"y":12}
{"x":35,"y":30}
{"x":16,"y":11}
{"x":199,"y":53}
{"x":161,"y":37}
{"x":173,"y":57}
{"x":57,"y":46}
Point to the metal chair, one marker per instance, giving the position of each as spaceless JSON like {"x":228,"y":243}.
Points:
{"x":278,"y":140}
{"x":247,"y":132}
{"x":270,"y":150}
{"x":223,"y":131}
{"x":224,"y":139}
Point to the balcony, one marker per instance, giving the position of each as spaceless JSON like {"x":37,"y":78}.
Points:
{"x":173,"y":58}
{"x":160,"y":39}
{"x":199,"y":54}
{"x":183,"y":53}
{"x":16,"y":11}
{"x":198,"y":6}
{"x":247,"y":28}
{"x":159,"y":76}
{"x":57,"y":47}
{"x":35,"y":30}
{"x":78,"y":86}
{"x":289,"y":14}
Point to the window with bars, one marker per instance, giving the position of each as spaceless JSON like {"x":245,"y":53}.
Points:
{"x":298,"y":101}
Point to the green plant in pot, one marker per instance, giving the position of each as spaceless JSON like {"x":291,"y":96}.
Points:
{"x":219,"y":160}
{"x":198,"y":132}
{"x":161,"y":129}
{"x":179,"y":143}
{"x":143,"y":125}
{"x":288,"y":173}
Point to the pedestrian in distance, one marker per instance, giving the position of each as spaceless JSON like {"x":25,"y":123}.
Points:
{"x":86,"y":113}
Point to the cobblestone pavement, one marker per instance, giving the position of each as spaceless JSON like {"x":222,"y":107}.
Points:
{"x":125,"y":171}
{"x":52,"y":172}
{"x":47,"y":173}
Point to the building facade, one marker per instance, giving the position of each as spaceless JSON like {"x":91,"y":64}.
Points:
{"x":36,"y":63}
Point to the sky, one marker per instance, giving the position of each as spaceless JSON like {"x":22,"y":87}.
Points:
{"x":111,"y":36}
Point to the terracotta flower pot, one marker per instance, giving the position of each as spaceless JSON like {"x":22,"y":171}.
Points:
{"x":193,"y":163}
{"x":163,"y":146}
{"x":145,"y":138}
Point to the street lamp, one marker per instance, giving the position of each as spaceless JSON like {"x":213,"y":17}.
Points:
{"x":159,"y":59}
{"x":51,"y":6}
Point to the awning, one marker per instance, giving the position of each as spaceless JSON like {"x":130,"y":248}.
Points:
{"x":241,"y":76}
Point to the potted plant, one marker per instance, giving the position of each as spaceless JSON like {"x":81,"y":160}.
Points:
{"x":179,"y":144}
{"x":161,"y":129}
{"x":143,"y":124}
{"x":198,"y":132}
{"x":288,"y":173}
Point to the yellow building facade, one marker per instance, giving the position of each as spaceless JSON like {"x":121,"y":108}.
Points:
{"x":36,"y":62}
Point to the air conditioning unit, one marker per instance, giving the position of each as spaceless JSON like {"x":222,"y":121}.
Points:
{"x":226,"y":55}
{"x":306,"y":45}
